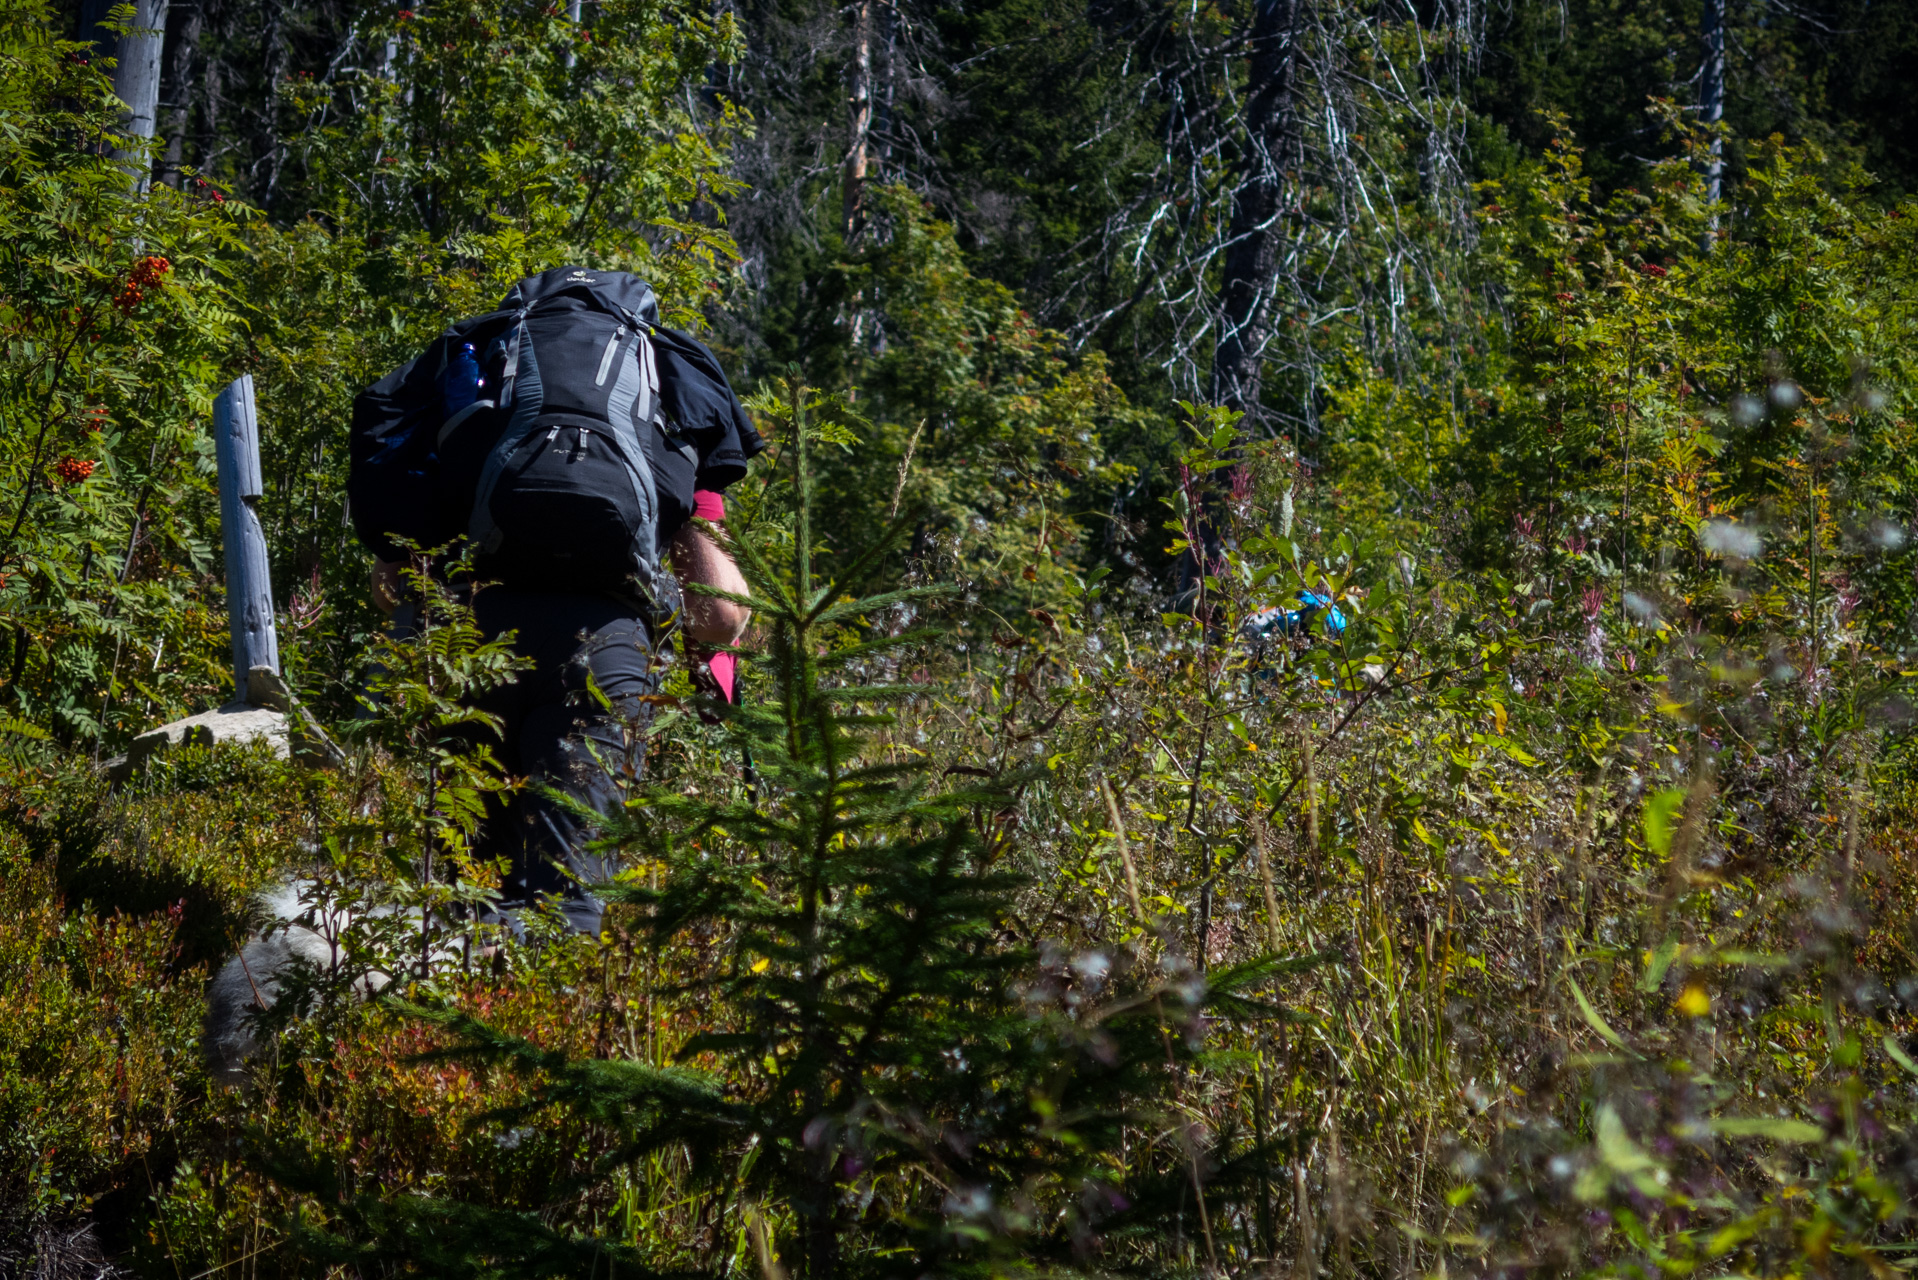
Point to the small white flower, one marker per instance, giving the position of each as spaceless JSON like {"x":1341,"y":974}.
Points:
{"x":1092,"y":965}
{"x":1729,"y":538}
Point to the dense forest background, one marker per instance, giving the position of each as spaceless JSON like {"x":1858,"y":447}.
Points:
{"x":1069,"y":894}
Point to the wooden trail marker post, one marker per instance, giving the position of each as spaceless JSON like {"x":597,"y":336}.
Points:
{"x":261,"y":702}
{"x":249,"y":589}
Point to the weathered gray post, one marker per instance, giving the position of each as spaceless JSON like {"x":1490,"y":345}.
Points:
{"x":249,"y":590}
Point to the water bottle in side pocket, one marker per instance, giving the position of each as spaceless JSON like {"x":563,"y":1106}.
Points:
{"x":461,"y":380}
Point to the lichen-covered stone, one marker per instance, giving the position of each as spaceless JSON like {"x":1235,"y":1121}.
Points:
{"x":236,"y":722}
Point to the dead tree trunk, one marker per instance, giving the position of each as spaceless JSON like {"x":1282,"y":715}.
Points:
{"x":179,"y":88}
{"x":1711,"y":105}
{"x":136,"y":73}
{"x":1251,"y":253}
{"x":859,"y":119}
{"x":1250,"y":263}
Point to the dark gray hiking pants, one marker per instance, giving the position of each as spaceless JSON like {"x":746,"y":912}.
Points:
{"x":557,"y":734}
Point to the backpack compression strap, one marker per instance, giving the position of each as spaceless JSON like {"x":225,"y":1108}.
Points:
{"x":511,"y":375}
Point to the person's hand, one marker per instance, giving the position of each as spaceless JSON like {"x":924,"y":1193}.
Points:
{"x":388,"y":588}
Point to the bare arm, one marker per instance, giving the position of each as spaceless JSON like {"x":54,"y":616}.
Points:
{"x":697,"y":558}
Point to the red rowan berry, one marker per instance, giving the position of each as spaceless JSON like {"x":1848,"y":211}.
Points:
{"x":74,"y":470}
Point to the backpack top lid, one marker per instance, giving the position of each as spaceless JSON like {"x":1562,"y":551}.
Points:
{"x":616,"y":287}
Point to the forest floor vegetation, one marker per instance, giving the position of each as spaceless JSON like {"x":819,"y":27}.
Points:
{"x":1066,"y":894}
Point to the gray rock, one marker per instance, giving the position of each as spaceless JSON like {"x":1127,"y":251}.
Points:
{"x":236,"y":722}
{"x":251,"y":982}
{"x":268,"y":712}
{"x":300,"y":948}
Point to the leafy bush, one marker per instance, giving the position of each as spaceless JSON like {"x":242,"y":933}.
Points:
{"x":116,"y":320}
{"x":98,"y":1048}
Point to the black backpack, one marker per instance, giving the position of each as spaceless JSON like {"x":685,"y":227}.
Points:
{"x":553,"y":474}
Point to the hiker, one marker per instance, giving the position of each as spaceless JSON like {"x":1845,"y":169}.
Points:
{"x":566,"y":439}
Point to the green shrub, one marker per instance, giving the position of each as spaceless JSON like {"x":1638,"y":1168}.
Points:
{"x":99,"y":1062}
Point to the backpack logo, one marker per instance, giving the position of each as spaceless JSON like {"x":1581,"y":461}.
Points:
{"x":580,"y":277}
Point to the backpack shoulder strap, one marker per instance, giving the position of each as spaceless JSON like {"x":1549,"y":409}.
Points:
{"x":481,"y":529}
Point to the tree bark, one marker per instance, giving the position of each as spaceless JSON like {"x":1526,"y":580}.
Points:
{"x":179,"y":89}
{"x":271,"y":142}
{"x":136,"y":73}
{"x":1249,"y":272}
{"x":859,"y":121}
{"x":212,"y":99}
{"x":1251,"y":255}
{"x":1711,"y":104}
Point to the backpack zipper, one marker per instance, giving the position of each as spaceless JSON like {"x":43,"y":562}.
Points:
{"x":606,"y":360}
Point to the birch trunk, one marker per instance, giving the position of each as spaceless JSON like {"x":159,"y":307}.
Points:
{"x":136,"y":74}
{"x":1711,"y":106}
